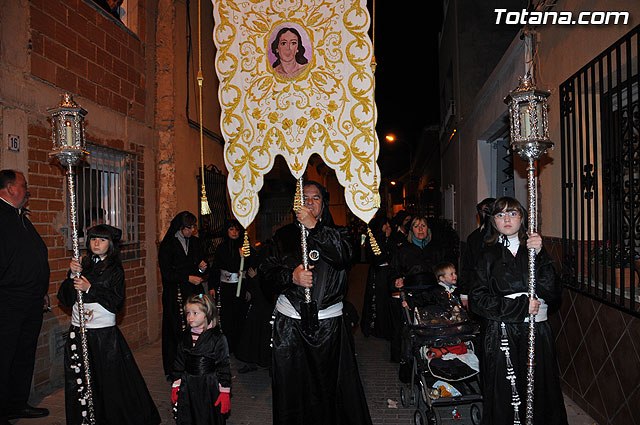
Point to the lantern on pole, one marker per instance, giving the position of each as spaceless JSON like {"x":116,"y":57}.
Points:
{"x":69,"y":143}
{"x":528,"y":116}
{"x":530,"y":140}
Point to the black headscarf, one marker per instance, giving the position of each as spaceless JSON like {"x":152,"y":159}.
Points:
{"x":179,"y":222}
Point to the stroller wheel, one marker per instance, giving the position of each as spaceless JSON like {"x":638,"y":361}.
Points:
{"x":476,"y":414}
{"x":405,"y":396}
{"x":418,"y":418}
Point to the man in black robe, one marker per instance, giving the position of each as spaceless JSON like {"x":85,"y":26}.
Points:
{"x":24,"y":280}
{"x":315,"y":377}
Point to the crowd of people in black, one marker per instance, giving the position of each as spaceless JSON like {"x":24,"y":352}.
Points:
{"x":290,"y":315}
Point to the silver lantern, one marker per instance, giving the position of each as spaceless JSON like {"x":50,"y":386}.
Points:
{"x":69,"y":143}
{"x":530,"y":140}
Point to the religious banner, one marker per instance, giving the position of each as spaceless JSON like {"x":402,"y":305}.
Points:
{"x":296,"y":79}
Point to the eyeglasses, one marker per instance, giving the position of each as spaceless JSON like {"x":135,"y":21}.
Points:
{"x":510,"y":214}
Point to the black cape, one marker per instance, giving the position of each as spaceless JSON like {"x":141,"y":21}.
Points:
{"x":202,"y":367}
{"x":315,"y":376}
{"x":499,"y":273}
{"x":233,"y":309}
{"x":376,"y":308}
{"x":254,"y":345}
{"x":120,"y":395}
{"x":176,"y":267}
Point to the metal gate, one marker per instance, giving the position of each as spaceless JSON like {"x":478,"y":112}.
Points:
{"x":600,"y":151}
{"x":211,"y":226}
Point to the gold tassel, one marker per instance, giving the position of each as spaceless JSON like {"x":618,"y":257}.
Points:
{"x":377,"y":201}
{"x":374,"y":244}
{"x":204,"y":204}
{"x":246,"y":248}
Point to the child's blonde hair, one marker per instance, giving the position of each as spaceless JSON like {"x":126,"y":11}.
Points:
{"x":441,"y":269}
{"x":206,"y":306}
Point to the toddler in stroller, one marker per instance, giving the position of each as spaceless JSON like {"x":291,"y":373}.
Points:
{"x":440,"y":367}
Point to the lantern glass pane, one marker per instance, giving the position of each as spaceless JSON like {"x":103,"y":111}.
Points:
{"x":525,"y":120}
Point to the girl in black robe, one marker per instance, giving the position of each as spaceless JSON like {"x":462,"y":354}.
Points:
{"x":315,"y":379}
{"x":202,"y":372}
{"x":182,"y":262}
{"x":224,"y":276}
{"x":120,"y":395}
{"x":499,"y":296}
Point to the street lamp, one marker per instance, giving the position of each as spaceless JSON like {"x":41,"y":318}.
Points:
{"x":69,"y":144}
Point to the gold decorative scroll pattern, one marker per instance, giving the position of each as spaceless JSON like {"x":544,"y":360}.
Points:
{"x":328,"y":108}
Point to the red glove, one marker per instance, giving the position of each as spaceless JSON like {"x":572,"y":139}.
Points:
{"x":174,"y":394}
{"x":224,"y":402}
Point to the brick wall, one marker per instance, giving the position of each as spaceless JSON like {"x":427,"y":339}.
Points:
{"x":49,"y":216}
{"x":77,"y":47}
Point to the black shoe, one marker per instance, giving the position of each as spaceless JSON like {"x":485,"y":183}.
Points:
{"x":247,"y":368}
{"x":28,"y":412}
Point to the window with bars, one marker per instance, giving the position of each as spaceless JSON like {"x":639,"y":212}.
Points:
{"x":600,"y":150}
{"x":107,"y":192}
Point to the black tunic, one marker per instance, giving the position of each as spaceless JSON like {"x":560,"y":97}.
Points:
{"x":201,"y":367}
{"x":120,"y":395}
{"x":233,"y":310}
{"x":254,"y":345}
{"x":176,"y":267}
{"x":315,"y":377}
{"x":499,"y":273}
{"x":376,"y":309}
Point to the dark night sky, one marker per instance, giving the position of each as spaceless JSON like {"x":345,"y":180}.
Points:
{"x":406,"y":50}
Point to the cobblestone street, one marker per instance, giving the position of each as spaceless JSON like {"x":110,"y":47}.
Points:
{"x":251,"y":402}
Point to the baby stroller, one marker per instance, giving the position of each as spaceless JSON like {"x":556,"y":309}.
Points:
{"x":438,"y":350}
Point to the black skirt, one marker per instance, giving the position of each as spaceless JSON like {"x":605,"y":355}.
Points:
{"x":120,"y":395}
{"x":376,"y":308}
{"x":315,"y":378}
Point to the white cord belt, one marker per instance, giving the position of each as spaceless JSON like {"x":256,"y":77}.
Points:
{"x":284,"y":306}
{"x":542,"y":312}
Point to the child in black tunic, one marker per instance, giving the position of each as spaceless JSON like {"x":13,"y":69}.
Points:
{"x":202,"y":370}
{"x":120,"y":395}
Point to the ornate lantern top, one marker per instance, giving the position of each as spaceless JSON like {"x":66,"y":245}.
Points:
{"x":67,"y":132}
{"x":528,"y":117}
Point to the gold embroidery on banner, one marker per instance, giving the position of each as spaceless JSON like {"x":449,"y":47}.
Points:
{"x":327,"y":108}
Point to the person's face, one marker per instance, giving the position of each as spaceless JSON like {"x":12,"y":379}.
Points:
{"x":195,"y":316}
{"x":313,"y":200}
{"x":19,"y":191}
{"x":233,"y":233}
{"x":99,"y":246}
{"x":508,"y":222}
{"x":420,"y":229}
{"x":188,"y":231}
{"x":288,"y":46}
{"x":386,"y":228}
{"x":450,"y":276}
{"x":406,"y":221}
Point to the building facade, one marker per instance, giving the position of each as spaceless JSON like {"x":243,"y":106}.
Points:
{"x":587,"y":184}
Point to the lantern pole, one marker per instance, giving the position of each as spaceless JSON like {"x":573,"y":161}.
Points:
{"x":69,"y":143}
{"x":530,"y":140}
